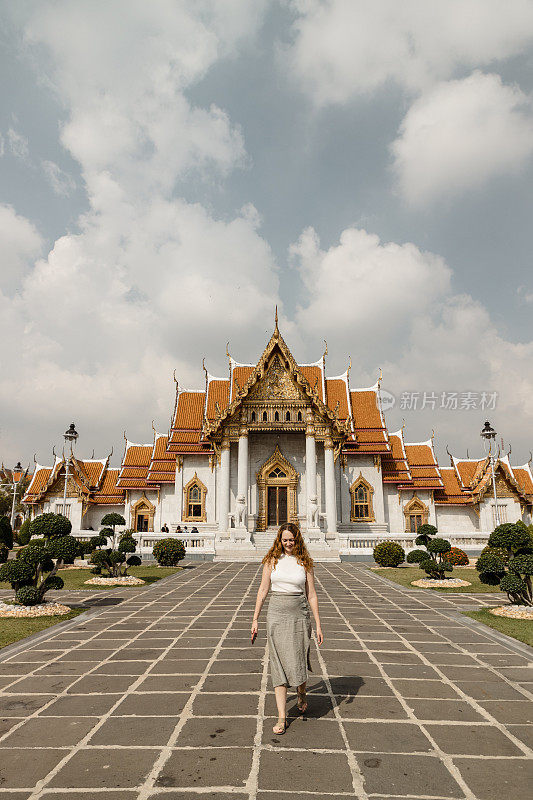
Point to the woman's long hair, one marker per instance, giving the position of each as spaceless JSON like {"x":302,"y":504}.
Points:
{"x":299,"y":550}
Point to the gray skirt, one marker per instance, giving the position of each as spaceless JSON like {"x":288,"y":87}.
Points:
{"x":289,"y":638}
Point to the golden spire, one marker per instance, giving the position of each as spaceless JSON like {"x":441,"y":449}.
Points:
{"x":276,"y":329}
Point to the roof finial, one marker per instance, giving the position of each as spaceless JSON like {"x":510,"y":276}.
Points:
{"x":509,"y":453}
{"x":228,"y":353}
{"x":451,"y":457}
{"x":530,"y":457}
{"x":326,"y":350}
{"x":111,"y":453}
{"x":175,"y":380}
{"x":35,"y":459}
{"x":92,"y":454}
{"x":276,"y":329}
{"x":125,"y":437}
{"x":432,"y":434}
{"x":380,"y":377}
{"x":467,"y":453}
{"x":153,"y":427}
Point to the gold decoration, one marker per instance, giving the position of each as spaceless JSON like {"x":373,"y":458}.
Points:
{"x":145,"y":508}
{"x":277,"y":461}
{"x":368,"y":490}
{"x":188,"y":499}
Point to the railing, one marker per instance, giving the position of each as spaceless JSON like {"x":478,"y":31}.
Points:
{"x":365,"y":544}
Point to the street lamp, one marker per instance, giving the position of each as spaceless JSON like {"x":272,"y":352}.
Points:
{"x":488,"y":435}
{"x":70,"y":437}
{"x":18,"y":470}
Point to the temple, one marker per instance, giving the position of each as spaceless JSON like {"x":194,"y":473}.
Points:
{"x":279,"y":441}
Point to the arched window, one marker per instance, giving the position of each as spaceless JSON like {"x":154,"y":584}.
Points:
{"x":288,"y":416}
{"x":416,"y":514}
{"x":265,"y":417}
{"x":277,"y":473}
{"x":253,"y":416}
{"x":276,"y":416}
{"x":194,"y":501}
{"x":299,"y":416}
{"x":361,"y":501}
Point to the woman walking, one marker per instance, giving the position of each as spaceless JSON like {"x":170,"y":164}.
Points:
{"x":288,"y":568}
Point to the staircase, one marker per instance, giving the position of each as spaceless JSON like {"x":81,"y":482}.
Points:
{"x":261,"y":544}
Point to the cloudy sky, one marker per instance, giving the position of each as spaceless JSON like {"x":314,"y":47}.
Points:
{"x":170,"y":171}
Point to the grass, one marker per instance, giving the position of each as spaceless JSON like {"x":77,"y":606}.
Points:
{"x":12,"y":630}
{"x":404,"y":576}
{"x":75,"y":578}
{"x":521,"y":629}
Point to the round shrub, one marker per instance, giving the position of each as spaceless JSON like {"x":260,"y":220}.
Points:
{"x":106,"y":533}
{"x":490,"y":578}
{"x":521,"y":564}
{"x":169,"y":552}
{"x":24,"y":533}
{"x":456,"y":557}
{"x":16,"y":573}
{"x":53,"y":582}
{"x":127,"y":544}
{"x":35,"y":555}
{"x":51,"y":526}
{"x":96,"y":571}
{"x":509,"y":536}
{"x":501,"y":552}
{"x":133,"y":561}
{"x":439,"y":546}
{"x":113,"y":519}
{"x":416,"y":556}
{"x":435,"y":570}
{"x":67,"y":548}
{"x":512,"y":584}
{"x":388,"y":554}
{"x":4,"y":553}
{"x":490,"y":562}
{"x":6,"y":533}
{"x":28,"y":596}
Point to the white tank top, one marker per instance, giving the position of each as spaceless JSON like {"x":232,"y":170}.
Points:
{"x":288,"y":576}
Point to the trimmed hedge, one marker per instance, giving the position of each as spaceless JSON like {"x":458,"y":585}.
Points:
{"x":169,"y":552}
{"x":388,"y":554}
{"x":456,"y":557}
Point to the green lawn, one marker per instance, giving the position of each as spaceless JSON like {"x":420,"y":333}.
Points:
{"x":404,"y":576}
{"x":75,"y":578}
{"x":521,"y":629}
{"x":11,"y":630}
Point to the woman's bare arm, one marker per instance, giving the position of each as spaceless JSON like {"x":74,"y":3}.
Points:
{"x":313,"y":602}
{"x":262,"y":592}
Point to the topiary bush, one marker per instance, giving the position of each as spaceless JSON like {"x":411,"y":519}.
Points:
{"x":4,"y":553}
{"x":169,"y":552}
{"x":456,"y":557}
{"x":34,"y":568}
{"x":424,"y":534}
{"x":115,"y":562}
{"x":435,"y":569}
{"x":513,"y":572}
{"x":6,"y":533}
{"x":416,"y":556}
{"x":27,"y":596}
{"x":50,"y":526}
{"x":66,"y":547}
{"x":388,"y":554}
{"x":496,"y":551}
{"x":433,"y":560}
{"x":24,"y":534}
{"x":110,"y":522}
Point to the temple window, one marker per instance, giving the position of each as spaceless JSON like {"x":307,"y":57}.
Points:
{"x":276,"y":416}
{"x":194,"y":501}
{"x":265,"y":417}
{"x":299,"y":416}
{"x":143,"y":515}
{"x":288,"y":416}
{"x":361,"y":501}
{"x":277,"y":473}
{"x":416,"y":514}
{"x":253,"y":416}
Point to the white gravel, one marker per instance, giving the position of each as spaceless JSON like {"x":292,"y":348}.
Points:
{"x":449,"y":583}
{"x":43,"y":610}
{"x":515,"y":612}
{"x":127,"y":580}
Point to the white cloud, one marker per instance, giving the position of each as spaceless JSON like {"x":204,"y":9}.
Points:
{"x":459,"y":135}
{"x":61,"y":182}
{"x":18,"y":145}
{"x":21,"y":243}
{"x":392,"y":306}
{"x":344,"y":48}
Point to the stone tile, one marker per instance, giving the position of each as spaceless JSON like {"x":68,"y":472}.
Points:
{"x":86,"y":705}
{"x":22,"y":705}
{"x":492,"y":779}
{"x":6,"y":723}
{"x":50,"y":684}
{"x":518,"y":711}
{"x":174,"y":667}
{"x":305,"y":771}
{"x":136,"y":654}
{"x":317,"y":708}
{"x":65,"y":668}
{"x":211,"y":767}
{"x":473,"y":674}
{"x":478,"y":740}
{"x":59,"y":732}
{"x":372,"y":708}
{"x":102,"y":684}
{"x":376,"y":687}
{"x":489,"y":690}
{"x":135,"y":731}
{"x":412,"y":775}
{"x":17,"y":770}
{"x":152,"y":704}
{"x":169,"y":683}
{"x":232,"y":683}
{"x":104,"y":767}
{"x":225,"y":704}
{"x":386,"y":737}
{"x":522,"y":732}
{"x":84,"y":796}
{"x":219,"y":732}
{"x":430,"y":689}
{"x":410,"y":671}
{"x":220,"y":667}
{"x":453,"y":710}
{"x":399,"y":658}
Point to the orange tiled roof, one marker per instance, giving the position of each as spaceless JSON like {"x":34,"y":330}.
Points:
{"x":162,"y":467}
{"x":369,"y":426}
{"x":109,"y":493}
{"x":135,"y":464}
{"x":336,"y":391}
{"x":423,"y":465}
{"x":313,"y":375}
{"x":394,"y":464}
{"x":524,"y":479}
{"x":468,"y":470}
{"x":38,"y":482}
{"x":451,"y":492}
{"x":93,"y":470}
{"x":217,"y":392}
{"x":239,"y":375}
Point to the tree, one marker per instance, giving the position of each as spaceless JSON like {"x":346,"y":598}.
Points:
{"x":116,"y":562}
{"x":6,"y":533}
{"x":50,"y":526}
{"x":388,"y":554}
{"x":434,"y":563}
{"x":514,"y":570}
{"x":112,"y":520}
{"x":33,"y":572}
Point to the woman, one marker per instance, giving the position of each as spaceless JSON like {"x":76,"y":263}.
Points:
{"x":288,"y":567}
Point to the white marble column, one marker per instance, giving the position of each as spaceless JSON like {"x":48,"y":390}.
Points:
{"x":223,"y":508}
{"x":310,"y":473}
{"x":242,"y":478}
{"x":331,"y":499}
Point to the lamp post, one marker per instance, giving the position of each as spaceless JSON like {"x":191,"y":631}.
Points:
{"x":70,"y":437}
{"x":18,"y":469}
{"x":488,"y":435}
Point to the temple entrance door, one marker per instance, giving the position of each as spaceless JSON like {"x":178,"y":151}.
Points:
{"x":277,"y":505}
{"x":142,"y":523}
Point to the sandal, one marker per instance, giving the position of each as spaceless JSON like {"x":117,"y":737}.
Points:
{"x":280,"y":727}
{"x":302,"y":702}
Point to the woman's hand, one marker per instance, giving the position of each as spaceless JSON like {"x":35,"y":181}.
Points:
{"x":254,"y":628}
{"x":319,"y":634}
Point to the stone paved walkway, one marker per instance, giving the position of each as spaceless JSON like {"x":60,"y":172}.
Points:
{"x":163,"y":696}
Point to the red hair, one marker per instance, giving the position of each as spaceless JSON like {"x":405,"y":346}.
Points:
{"x":299,"y":550}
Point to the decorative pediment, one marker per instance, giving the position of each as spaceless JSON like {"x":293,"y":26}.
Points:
{"x":277,"y":384}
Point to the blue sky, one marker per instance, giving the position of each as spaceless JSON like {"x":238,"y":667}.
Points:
{"x":171,"y":171}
